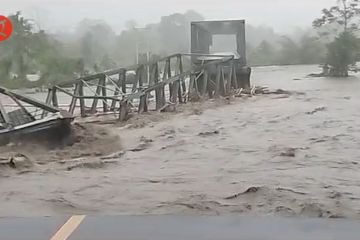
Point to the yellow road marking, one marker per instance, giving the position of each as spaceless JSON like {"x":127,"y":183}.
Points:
{"x":68,"y":228}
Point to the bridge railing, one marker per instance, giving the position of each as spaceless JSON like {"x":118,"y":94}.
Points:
{"x":149,"y":86}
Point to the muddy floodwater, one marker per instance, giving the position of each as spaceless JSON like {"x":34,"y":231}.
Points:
{"x":294,"y":154}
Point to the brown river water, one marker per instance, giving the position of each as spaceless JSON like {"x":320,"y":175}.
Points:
{"x":287,"y":155}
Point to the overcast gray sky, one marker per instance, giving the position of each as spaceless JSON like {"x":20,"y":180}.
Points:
{"x":61,"y":14}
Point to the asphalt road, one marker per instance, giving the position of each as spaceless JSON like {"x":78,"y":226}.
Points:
{"x":176,"y":228}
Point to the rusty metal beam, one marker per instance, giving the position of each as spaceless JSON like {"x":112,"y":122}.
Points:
{"x":29,"y":100}
{"x":4,"y":114}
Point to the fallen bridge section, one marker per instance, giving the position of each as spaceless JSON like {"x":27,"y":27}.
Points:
{"x":23,"y":118}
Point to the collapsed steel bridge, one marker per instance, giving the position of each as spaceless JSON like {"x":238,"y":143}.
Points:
{"x":167,"y":79}
{"x":174,"y":79}
{"x":157,"y":84}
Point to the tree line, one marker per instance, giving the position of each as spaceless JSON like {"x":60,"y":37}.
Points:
{"x":94,"y":46}
{"x":339,"y":25}
{"x":287,"y":51}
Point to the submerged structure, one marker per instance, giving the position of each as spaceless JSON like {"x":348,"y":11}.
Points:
{"x":203,"y":35}
{"x":23,"y":118}
{"x":221,"y":38}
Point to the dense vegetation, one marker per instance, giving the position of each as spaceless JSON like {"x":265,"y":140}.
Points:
{"x":33,"y":52}
{"x":286,"y":51}
{"x":94,"y":46}
{"x":339,"y":25}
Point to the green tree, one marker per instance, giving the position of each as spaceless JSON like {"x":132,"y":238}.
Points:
{"x":263,"y":54}
{"x":60,"y":69}
{"x":289,"y":51}
{"x":33,"y":52}
{"x":342,"y":53}
{"x":87,"y":46}
{"x":174,"y":31}
{"x":96,"y":39}
{"x":107,"y":63}
{"x":170,"y":35}
{"x":343,"y":19}
{"x":311,"y":50}
{"x":345,"y":15}
{"x":5,"y":68}
{"x":18,"y":47}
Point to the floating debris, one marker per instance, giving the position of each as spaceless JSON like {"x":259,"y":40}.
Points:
{"x":204,"y":134}
{"x":144,"y":144}
{"x":318,"y":109}
{"x":289,"y":152}
{"x":249,"y":190}
{"x":17,"y":161}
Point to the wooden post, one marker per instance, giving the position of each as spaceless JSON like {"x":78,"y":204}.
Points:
{"x":116,"y":92}
{"x":196,"y":85}
{"x":120,"y":83}
{"x":181,"y":68}
{"x":168,"y":74}
{"x":146,"y":74}
{"x":82,"y":100}
{"x":137,"y":79}
{"x":191,"y":86}
{"x":54,"y":97}
{"x":169,"y":68}
{"x":143,"y":105}
{"x":143,"y":98}
{"x":182,"y":88}
{"x":95,"y":101}
{"x":164,"y":77}
{"x":165,"y":72}
{"x":217,"y":80}
{"x":123,"y":115}
{"x":152,"y":74}
{"x":229,"y":80}
{"x":49,"y":97}
{"x":163,"y":97}
{"x":222,"y":82}
{"x":122,"y":76}
{"x":234,"y":76}
{"x":103,"y":90}
{"x":154,"y":79}
{"x":74,"y":99}
{"x":205,"y":81}
{"x":175,"y":90}
{"x":160,"y":91}
{"x":47,"y":101}
{"x":141,"y":76}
